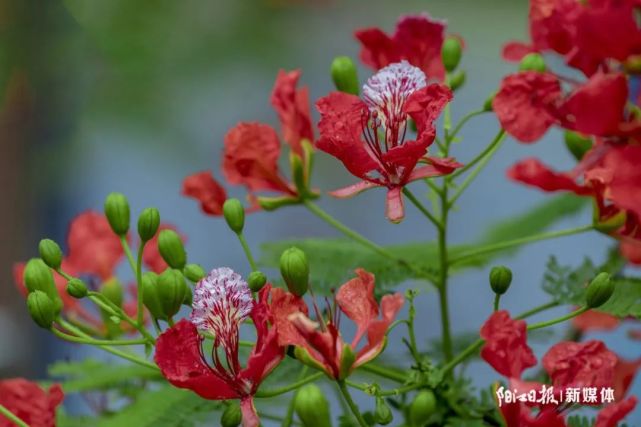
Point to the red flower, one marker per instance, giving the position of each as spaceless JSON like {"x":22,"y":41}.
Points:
{"x":151,"y":255}
{"x":593,"y":320}
{"x":532,"y":172}
{"x":587,"y":364}
{"x":418,"y":39}
{"x":29,"y":402}
{"x":292,"y":106}
{"x":322,"y":344}
{"x":368,"y":135}
{"x":612,"y":414}
{"x":524,"y":103}
{"x":631,"y":250}
{"x":222,"y":301}
{"x":203,"y":187}
{"x":505,"y":347}
{"x":624,"y":373}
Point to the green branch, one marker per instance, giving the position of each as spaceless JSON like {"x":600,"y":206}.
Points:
{"x":12,"y":417}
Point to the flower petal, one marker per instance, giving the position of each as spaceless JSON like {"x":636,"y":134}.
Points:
{"x":394,"y":210}
{"x":29,"y":402}
{"x":377,"y":48}
{"x":203,"y":187}
{"x":283,"y":305}
{"x":292,"y":106}
{"x":534,"y":173}
{"x":356,"y":299}
{"x":377,"y":329}
{"x":178,"y":356}
{"x":420,"y":39}
{"x":515,"y":51}
{"x":353,"y":190}
{"x":426,"y":104}
{"x":615,"y":412}
{"x":250,"y":416}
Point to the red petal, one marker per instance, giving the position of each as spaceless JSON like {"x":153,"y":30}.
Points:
{"x":282,"y":306}
{"x":523,"y":104}
{"x":419,"y":38}
{"x":29,"y":402}
{"x":595,"y":321}
{"x":292,"y":106}
{"x":178,"y":356}
{"x":631,"y":250}
{"x":352,"y":190}
{"x":251,"y":158}
{"x":624,"y":188}
{"x":587,"y":364}
{"x":579,"y":112}
{"x":377,"y":330}
{"x":340,"y":132}
{"x":250,"y":416}
{"x":624,"y":373}
{"x":515,"y":51}
{"x":553,"y":24}
{"x":203,"y":187}
{"x":326,"y":345}
{"x":394,"y":210}
{"x":612,"y":414}
{"x":356,"y":299}
{"x":437,"y":167}
{"x":534,"y":173}
{"x":377,"y":48}
{"x":505,"y":347}
{"x":93,"y":246}
{"x":426,"y":104}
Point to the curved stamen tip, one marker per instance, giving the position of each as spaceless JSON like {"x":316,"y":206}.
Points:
{"x":222,"y":300}
{"x":392,"y":85}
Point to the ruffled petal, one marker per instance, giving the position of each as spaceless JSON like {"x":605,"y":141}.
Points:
{"x":534,"y":173}
{"x":356,"y":299}
{"x":203,"y":187}
{"x":377,"y":329}
{"x":515,"y":51}
{"x":29,"y":402}
{"x":283,"y":305}
{"x":377,"y":48}
{"x":420,"y":39}
{"x":586,"y":364}
{"x":426,"y":104}
{"x":292,"y":106}
{"x":179,"y":359}
{"x":615,"y":412}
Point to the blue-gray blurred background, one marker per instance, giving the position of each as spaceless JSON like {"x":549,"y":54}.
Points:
{"x":132,"y":96}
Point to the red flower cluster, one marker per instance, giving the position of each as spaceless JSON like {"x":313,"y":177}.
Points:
{"x":601,"y":39}
{"x":568,"y":364}
{"x":320,"y":344}
{"x":30,"y":403}
{"x":369,"y":135}
{"x":221,"y":302}
{"x":251,"y":151}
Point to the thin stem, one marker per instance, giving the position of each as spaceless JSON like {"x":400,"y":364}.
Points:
{"x":537,"y":310}
{"x":470,"y":350}
{"x":140,"y":308}
{"x":443,"y":276}
{"x":497,"y":140}
{"x":547,"y":323}
{"x":103,"y":302}
{"x":91,"y":341}
{"x":290,"y":387}
{"x":352,"y":405}
{"x":122,"y":354}
{"x":12,"y":417}
{"x":289,"y":415}
{"x":384,"y":372}
{"x":420,"y":207}
{"x":382,"y":393}
{"x":463,"y":121}
{"x":410,"y":332}
{"x":248,"y":253}
{"x":497,"y":300}
{"x":127,"y":249}
{"x":494,"y":146}
{"x":362,"y":240}
{"x":518,"y":242}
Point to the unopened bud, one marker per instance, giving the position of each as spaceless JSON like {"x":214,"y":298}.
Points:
{"x":232,"y":416}
{"x":171,"y":249}
{"x":150,"y":295}
{"x":610,"y":224}
{"x":77,"y":288}
{"x":312,"y":407}
{"x":50,"y":253}
{"x":451,"y":53}
{"x":171,"y":291}
{"x":599,"y":290}
{"x":41,"y":308}
{"x":295,"y":271}
{"x":532,"y":62}
{"x":256,"y":280}
{"x":117,"y":213}
{"x":298,"y":173}
{"x":344,"y":75}
{"x":194,"y":272}
{"x":382,"y":413}
{"x":456,"y":81}
{"x":487,"y":105}
{"x":577,"y":144}
{"x":234,"y":214}
{"x":39,"y":277}
{"x":188,"y":300}
{"x":423,"y":405}
{"x":270,"y":204}
{"x":148,"y":223}
{"x":500,"y":279}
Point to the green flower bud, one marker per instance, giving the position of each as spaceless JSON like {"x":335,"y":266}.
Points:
{"x":39,"y":277}
{"x":256,"y":280}
{"x":117,"y":213}
{"x":298,"y":173}
{"x":150,"y":297}
{"x":77,"y":288}
{"x":608,"y":225}
{"x":171,"y":249}
{"x":295,"y":271}
{"x":500,"y":279}
{"x":599,"y":290}
{"x":234,"y":214}
{"x":232,"y":416}
{"x":344,"y":75}
{"x":189,"y":296}
{"x":194,"y":272}
{"x":382,"y":413}
{"x":532,"y":62}
{"x":148,"y":223}
{"x":577,"y":144}
{"x":41,"y":308}
{"x":487,"y":105}
{"x":451,"y":53}
{"x":312,"y":407}
{"x":456,"y":81}
{"x":112,"y":290}
{"x":171,"y":291}
{"x":423,"y":405}
{"x":50,"y":253}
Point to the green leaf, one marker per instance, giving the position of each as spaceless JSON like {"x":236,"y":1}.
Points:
{"x":332,"y":261}
{"x":91,"y":374}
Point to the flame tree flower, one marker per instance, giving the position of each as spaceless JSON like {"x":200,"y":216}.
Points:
{"x":221,"y":302}
{"x":29,"y":403}
{"x":369,"y":135}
